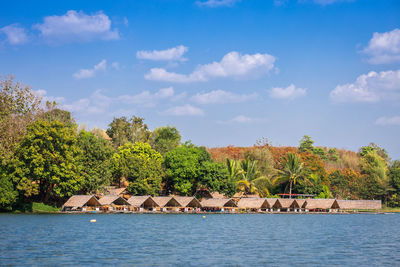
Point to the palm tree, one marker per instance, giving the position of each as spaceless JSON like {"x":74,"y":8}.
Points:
{"x":251,"y":181}
{"x":234,"y":169}
{"x":291,"y":172}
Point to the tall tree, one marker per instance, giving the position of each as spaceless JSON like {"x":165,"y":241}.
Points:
{"x":141,"y":166}
{"x":123,"y":130}
{"x":292,"y":171}
{"x":164,"y":139}
{"x":306,"y":144}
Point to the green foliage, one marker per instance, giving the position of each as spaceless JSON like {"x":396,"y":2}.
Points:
{"x":319,"y":151}
{"x":141,"y":166}
{"x":306,"y":144}
{"x":394,"y":175}
{"x":333,"y":154}
{"x":292,"y":171}
{"x":46,"y":161}
{"x":264,"y":158}
{"x":38,"y":207}
{"x":165,"y":139}
{"x":8,"y":195}
{"x":95,"y":160}
{"x":123,"y":130}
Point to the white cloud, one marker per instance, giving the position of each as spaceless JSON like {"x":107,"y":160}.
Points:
{"x":171,"y":54}
{"x":371,"y":87}
{"x":232,"y":64}
{"x":15,"y":34}
{"x":242,"y":119}
{"x":220,"y":97}
{"x":217,"y":3}
{"x":146,"y":98}
{"x":77,"y":26}
{"x":386,"y":121}
{"x":384,"y":47}
{"x":290,"y":92}
{"x":185,"y":110}
{"x":90,"y":73}
{"x":115,"y":65}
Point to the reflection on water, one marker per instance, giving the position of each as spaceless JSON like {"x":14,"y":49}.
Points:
{"x":191,"y":240}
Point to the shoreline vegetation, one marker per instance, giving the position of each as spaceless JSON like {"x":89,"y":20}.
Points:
{"x":46,"y":157}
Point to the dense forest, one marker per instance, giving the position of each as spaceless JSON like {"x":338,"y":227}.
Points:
{"x":46,"y":157}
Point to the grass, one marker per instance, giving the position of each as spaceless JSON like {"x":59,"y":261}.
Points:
{"x":43,"y":208}
{"x":388,"y":209}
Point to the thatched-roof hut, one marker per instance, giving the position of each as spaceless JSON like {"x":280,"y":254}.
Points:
{"x":188,"y":202}
{"x":271,"y":202}
{"x":286,"y":204}
{"x":359,"y":204}
{"x":238,"y":195}
{"x":218,"y":204}
{"x":167,"y":203}
{"x":321,"y":204}
{"x":141,"y":203}
{"x":117,"y":191}
{"x":254,"y":204}
{"x":114,"y":202}
{"x":81,"y":203}
{"x":301,"y":203}
{"x":217,"y":195}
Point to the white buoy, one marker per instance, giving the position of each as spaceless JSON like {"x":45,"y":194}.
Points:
{"x":93,"y":220}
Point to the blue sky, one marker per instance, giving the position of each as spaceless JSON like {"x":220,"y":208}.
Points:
{"x":224,"y":72}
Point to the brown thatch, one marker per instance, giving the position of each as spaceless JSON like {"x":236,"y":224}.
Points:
{"x":184,"y":202}
{"x":142,"y":202}
{"x":314,"y":203}
{"x":79,"y":201}
{"x":166,"y":202}
{"x":117,"y":191}
{"x":286,"y":203}
{"x":359,"y":204}
{"x":301,"y":203}
{"x":252,"y":195}
{"x":253,"y":203}
{"x":218,"y":203}
{"x":217,"y":195}
{"x":271,"y":202}
{"x":238,"y":195}
{"x":113,"y":199}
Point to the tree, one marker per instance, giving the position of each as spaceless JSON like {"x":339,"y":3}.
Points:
{"x":394,"y":175}
{"x":292,"y":171}
{"x":252,"y":181}
{"x":8,"y":194}
{"x":53,"y":113}
{"x":306,"y":144}
{"x":319,"y":151}
{"x":46,"y":161}
{"x":141,"y":166}
{"x":164,"y":139}
{"x":333,"y":155}
{"x":123,"y":130}
{"x":18,"y":107}
{"x":95,"y":160}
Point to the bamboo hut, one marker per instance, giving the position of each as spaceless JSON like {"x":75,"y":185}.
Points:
{"x":238,"y":195}
{"x":82,"y":203}
{"x":218,"y":204}
{"x":114,"y":203}
{"x":286,"y":204}
{"x":217,"y":195}
{"x":142,"y":203}
{"x":314,"y":204}
{"x":188,"y":204}
{"x":253,"y":204}
{"x":122,"y":192}
{"x":301,"y":203}
{"x":359,"y":204}
{"x":167,"y":203}
{"x":271,"y":202}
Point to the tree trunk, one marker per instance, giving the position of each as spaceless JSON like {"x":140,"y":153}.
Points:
{"x":290,"y":189}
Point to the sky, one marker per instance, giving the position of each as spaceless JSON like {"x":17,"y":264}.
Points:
{"x":224,"y":72}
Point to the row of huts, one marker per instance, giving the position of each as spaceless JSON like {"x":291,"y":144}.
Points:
{"x":116,"y":203}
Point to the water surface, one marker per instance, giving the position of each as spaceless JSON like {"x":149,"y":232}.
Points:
{"x":191,"y":240}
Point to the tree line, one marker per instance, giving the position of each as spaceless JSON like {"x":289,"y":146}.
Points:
{"x":45,"y":157}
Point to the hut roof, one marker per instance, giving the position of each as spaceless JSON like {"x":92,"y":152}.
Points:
{"x":166,"y":202}
{"x":217,"y":195}
{"x":301,"y":202}
{"x":138,"y":201}
{"x":116,"y":191}
{"x":253,"y":203}
{"x":251,"y":196}
{"x":359,"y":204}
{"x":271,"y":202}
{"x":187,"y":201}
{"x":238,"y":195}
{"x":285,"y":203}
{"x":314,"y":203}
{"x":113,"y":199}
{"x":81,"y":200}
{"x":218,"y":203}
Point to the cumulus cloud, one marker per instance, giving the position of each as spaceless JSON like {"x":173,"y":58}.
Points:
{"x":387,"y":121}
{"x":232,"y":64}
{"x":185,"y":110}
{"x":77,"y":27}
{"x":384,"y":47}
{"x":371,"y":87}
{"x":217,"y":3}
{"x":15,"y":34}
{"x":171,"y":54}
{"x":146,"y":98}
{"x":221,"y":97}
{"x":90,"y":73}
{"x":242,"y":119}
{"x":290,"y":92}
